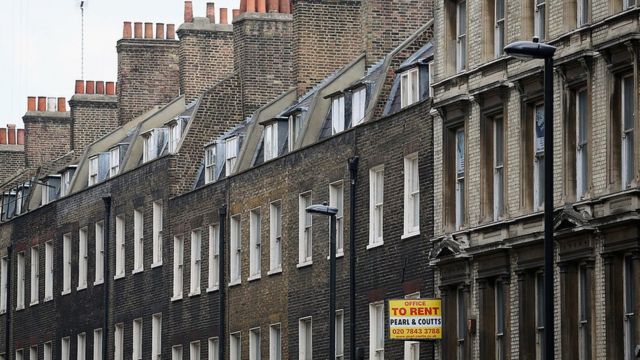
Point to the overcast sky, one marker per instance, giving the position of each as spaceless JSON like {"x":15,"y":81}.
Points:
{"x":40,"y":42}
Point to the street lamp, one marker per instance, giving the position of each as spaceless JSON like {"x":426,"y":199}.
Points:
{"x":327,"y":210}
{"x":536,"y":50}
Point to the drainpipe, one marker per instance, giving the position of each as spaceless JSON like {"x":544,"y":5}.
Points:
{"x":222,"y":213}
{"x":7,"y":338}
{"x":353,"y":174}
{"x":106,"y":282}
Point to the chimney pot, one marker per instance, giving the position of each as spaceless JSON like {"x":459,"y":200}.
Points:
{"x":251,"y":5}
{"x":188,"y":11}
{"x":211,"y":12}
{"x":224,"y":12}
{"x":11,"y":134}
{"x":42,"y":103}
{"x":285,"y":6}
{"x":100,"y":87}
{"x":235,"y":13}
{"x":126,"y":31}
{"x":243,"y":6}
{"x":52,"y":104}
{"x":3,"y":136}
{"x":171,"y":31}
{"x":31,"y":103}
{"x":20,"y":137}
{"x":91,"y":87}
{"x":110,"y":88}
{"x":272,"y":6}
{"x":148,"y":30}
{"x":62,"y":104}
{"x":160,"y":31}
{"x":137,"y":30}
{"x":79,"y":86}
{"x":262,"y":6}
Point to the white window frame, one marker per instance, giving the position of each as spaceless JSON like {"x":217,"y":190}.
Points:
{"x":358,"y":106}
{"x":305,"y":230}
{"x":411,"y":196}
{"x":231,"y":154}
{"x":138,"y":241}
{"x":20,"y":355}
{"x":235,"y":346}
{"x":271,"y":141}
{"x":461,"y":35}
{"x":195,"y":262}
{"x":35,"y":275}
{"x":581,"y":143}
{"x":538,"y":161}
{"x":295,"y":129}
{"x":214,"y":258}
{"x":33,"y":352}
{"x":210,"y":164}
{"x":66,"y":264}
{"x":305,"y":338}
{"x":65,"y":184}
{"x":20,"y":277}
{"x":409,"y":87}
{"x":337,"y":114}
{"x":45,"y":192}
{"x":235,"y":263}
{"x":459,"y":171}
{"x":156,"y":336}
{"x":48,"y":268}
{"x":255,"y":244}
{"x":65,"y":348}
{"x":376,"y":331}
{"x":157,"y":233}
{"x":275,"y":237}
{"x":339,"y":336}
{"x":498,"y":167}
{"x":136,"y":340}
{"x":582,"y":12}
{"x":118,"y":342}
{"x":275,"y":342}
{"x":175,"y":135}
{"x":93,"y":170}
{"x":114,"y":163}
{"x":99,"y":243}
{"x":176,"y":352}
{"x":498,"y":31}
{"x":214,"y":349}
{"x":81,"y":346}
{"x":412,"y":348}
{"x":48,"y":351}
{"x":376,"y":206}
{"x":83,"y":261}
{"x":149,"y":147}
{"x":628,"y":134}
{"x":336,"y":200}
{"x":254,"y":344}
{"x":4,"y":291}
{"x":539,"y":27}
{"x":194,"y":350}
{"x":97,"y":344}
{"x":120,"y":247}
{"x":178,"y":267}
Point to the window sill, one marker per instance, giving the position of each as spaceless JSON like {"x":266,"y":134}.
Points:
{"x":3,"y":312}
{"x":83,"y":287}
{"x":235,"y":283}
{"x":137,"y":271}
{"x":34,"y":303}
{"x":274,"y":271}
{"x":212,"y":289}
{"x":195,"y":293}
{"x":410,"y":235}
{"x":155,"y":265}
{"x":254,"y":277}
{"x":373,"y":246}
{"x":99,"y":282}
{"x":18,"y":308}
{"x":304,"y":264}
{"x":66,"y":292}
{"x":119,"y":276}
{"x":176,"y":298}
{"x":339,"y":254}
{"x":48,"y":298}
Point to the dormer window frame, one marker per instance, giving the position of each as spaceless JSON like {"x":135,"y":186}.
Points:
{"x":114,"y":161}
{"x":409,"y":87}
{"x":358,"y":105}
{"x":46,"y":195}
{"x":296,"y":121}
{"x":150,"y":142}
{"x":65,"y":182}
{"x":94,"y":165}
{"x":270,"y":141}
{"x":231,"y":154}
{"x":338,"y":116}
{"x":176,"y":131}
{"x":210,"y":154}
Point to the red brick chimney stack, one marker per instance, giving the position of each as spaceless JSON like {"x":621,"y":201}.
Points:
{"x":211,"y":12}
{"x":126,"y":30}
{"x":159,"y":31}
{"x":188,"y":11}
{"x":224,"y":13}
{"x":137,"y":30}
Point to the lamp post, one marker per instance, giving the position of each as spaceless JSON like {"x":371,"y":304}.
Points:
{"x":536,"y":50}
{"x":327,"y":210}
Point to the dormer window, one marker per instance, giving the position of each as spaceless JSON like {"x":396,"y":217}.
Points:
{"x":337,"y":114}
{"x":98,"y":168}
{"x":114,"y":162}
{"x":210,"y":164}
{"x":271,"y":141}
{"x":19,"y":199}
{"x":358,"y":105}
{"x":176,"y":129}
{"x":65,"y":185}
{"x":409,"y":87}
{"x":295,"y":126}
{"x":50,"y":187}
{"x":154,"y":142}
{"x":93,"y":171}
{"x":231,"y":151}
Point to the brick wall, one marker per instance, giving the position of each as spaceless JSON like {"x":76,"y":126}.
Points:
{"x":148,"y":75}
{"x":206,"y":55}
{"x":263,"y":46}
{"x":93,"y":116}
{"x":327,"y":37}
{"x":47,"y":136}
{"x":12,"y":159}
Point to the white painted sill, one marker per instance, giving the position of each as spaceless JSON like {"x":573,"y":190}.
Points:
{"x":137,"y":271}
{"x":99,"y":282}
{"x":304,"y":264}
{"x":235,"y":283}
{"x":176,"y":298}
{"x":119,"y":276}
{"x":339,"y":254}
{"x":409,"y":235}
{"x":155,"y":265}
{"x":254,"y":277}
{"x":274,"y":271}
{"x":373,"y":246}
{"x":83,"y":287}
{"x":66,"y":292}
{"x":212,"y":289}
{"x":195,"y":293}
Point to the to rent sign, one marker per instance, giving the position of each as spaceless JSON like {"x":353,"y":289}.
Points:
{"x":415,"y":319}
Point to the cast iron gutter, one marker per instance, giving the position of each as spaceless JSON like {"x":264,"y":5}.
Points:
{"x":353,"y":175}
{"x":106,"y":282}
{"x":222,"y":213}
